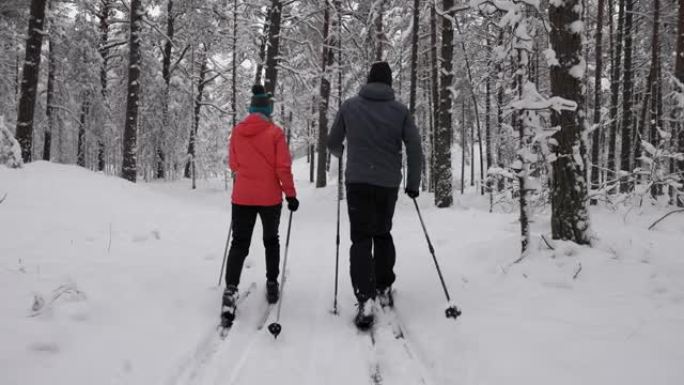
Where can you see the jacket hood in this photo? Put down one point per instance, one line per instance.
(253, 125)
(377, 91)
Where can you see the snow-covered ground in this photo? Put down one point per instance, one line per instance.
(107, 282)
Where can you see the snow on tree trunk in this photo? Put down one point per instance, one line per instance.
(129, 167)
(443, 136)
(569, 215)
(29, 79)
(10, 151)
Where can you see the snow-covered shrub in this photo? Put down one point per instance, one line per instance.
(10, 152)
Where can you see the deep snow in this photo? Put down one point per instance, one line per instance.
(107, 282)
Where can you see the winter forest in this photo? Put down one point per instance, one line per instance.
(552, 186)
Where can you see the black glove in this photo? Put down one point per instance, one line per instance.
(292, 203)
(413, 194)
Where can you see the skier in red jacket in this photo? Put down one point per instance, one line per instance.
(259, 156)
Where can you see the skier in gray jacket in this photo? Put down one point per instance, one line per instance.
(375, 125)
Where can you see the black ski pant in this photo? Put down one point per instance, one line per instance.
(244, 218)
(372, 253)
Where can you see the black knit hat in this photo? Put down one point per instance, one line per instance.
(380, 72)
(261, 101)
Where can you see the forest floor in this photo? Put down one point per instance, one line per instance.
(106, 282)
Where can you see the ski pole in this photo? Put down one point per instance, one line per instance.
(337, 241)
(451, 310)
(275, 327)
(225, 252)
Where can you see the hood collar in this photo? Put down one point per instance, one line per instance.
(377, 91)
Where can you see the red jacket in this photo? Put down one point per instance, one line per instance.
(258, 154)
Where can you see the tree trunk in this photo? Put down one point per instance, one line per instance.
(104, 54)
(615, 89)
(569, 215)
(596, 137)
(166, 75)
(378, 26)
(50, 110)
(463, 143)
(190, 167)
(129, 168)
(262, 49)
(233, 80)
(272, 52)
(443, 137)
(488, 112)
(679, 74)
(326, 62)
(648, 121)
(29, 80)
(435, 93)
(312, 148)
(414, 56)
(627, 95)
(83, 121)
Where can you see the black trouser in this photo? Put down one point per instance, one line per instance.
(372, 253)
(244, 218)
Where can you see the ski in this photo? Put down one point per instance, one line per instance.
(225, 325)
(390, 318)
(265, 315)
(375, 374)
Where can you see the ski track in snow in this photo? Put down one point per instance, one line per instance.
(193, 367)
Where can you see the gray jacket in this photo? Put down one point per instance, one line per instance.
(375, 125)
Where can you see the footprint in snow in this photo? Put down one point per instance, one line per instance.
(44, 347)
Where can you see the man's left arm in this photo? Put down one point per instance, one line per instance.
(414, 153)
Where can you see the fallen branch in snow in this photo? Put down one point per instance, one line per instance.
(547, 242)
(654, 223)
(3, 198)
(577, 273)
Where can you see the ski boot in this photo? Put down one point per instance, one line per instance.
(229, 306)
(384, 296)
(364, 316)
(272, 292)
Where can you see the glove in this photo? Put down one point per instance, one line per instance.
(292, 203)
(413, 194)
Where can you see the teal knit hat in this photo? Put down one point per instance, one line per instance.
(262, 102)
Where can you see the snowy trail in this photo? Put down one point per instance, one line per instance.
(106, 282)
(316, 346)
